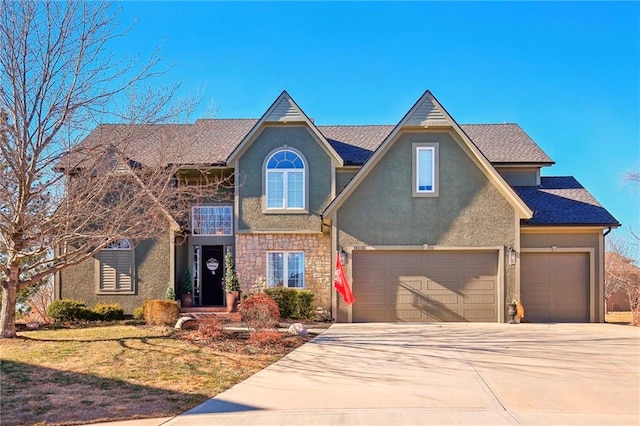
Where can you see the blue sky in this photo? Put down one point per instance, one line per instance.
(568, 73)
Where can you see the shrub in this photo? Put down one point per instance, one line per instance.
(260, 311)
(70, 310)
(210, 327)
(138, 313)
(265, 337)
(109, 312)
(285, 298)
(305, 304)
(170, 293)
(230, 278)
(293, 303)
(160, 311)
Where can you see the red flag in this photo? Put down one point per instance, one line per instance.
(341, 284)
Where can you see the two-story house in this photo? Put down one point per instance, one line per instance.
(435, 221)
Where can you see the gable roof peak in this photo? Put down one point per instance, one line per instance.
(426, 112)
(284, 110)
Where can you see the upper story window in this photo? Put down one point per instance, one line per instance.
(285, 181)
(212, 220)
(425, 169)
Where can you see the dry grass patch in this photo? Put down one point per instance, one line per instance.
(85, 375)
(624, 318)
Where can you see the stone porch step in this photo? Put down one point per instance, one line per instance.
(208, 312)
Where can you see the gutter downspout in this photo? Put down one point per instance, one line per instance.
(601, 262)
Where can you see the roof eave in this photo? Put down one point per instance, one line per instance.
(522, 163)
(541, 225)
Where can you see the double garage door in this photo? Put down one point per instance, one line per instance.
(425, 286)
(554, 287)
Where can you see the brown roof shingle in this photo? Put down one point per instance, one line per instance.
(210, 141)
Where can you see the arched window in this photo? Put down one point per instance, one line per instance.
(115, 268)
(285, 180)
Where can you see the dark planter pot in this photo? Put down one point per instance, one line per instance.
(185, 299)
(511, 312)
(233, 297)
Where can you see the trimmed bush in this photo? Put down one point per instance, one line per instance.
(160, 311)
(70, 310)
(305, 304)
(109, 311)
(138, 313)
(260, 311)
(293, 303)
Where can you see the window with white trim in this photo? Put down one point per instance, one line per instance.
(212, 220)
(285, 181)
(285, 269)
(425, 169)
(115, 272)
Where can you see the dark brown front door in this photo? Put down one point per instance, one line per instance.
(211, 271)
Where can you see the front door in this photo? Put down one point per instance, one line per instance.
(211, 273)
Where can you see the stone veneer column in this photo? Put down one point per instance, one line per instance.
(251, 261)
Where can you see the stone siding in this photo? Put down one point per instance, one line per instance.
(251, 261)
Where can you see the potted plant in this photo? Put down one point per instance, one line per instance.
(185, 289)
(231, 284)
(512, 311)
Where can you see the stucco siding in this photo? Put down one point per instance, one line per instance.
(152, 274)
(516, 177)
(469, 211)
(250, 177)
(342, 179)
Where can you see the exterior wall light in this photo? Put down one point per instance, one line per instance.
(343, 256)
(512, 256)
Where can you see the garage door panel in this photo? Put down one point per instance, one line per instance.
(425, 286)
(479, 299)
(554, 287)
(442, 285)
(480, 284)
(487, 315)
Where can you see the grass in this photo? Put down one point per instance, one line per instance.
(82, 375)
(624, 318)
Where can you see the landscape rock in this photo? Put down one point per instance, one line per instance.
(186, 323)
(298, 329)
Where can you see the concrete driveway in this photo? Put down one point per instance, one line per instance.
(452, 373)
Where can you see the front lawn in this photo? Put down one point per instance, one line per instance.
(82, 375)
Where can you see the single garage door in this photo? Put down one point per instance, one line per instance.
(425, 286)
(554, 287)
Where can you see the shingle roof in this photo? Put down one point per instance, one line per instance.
(355, 144)
(505, 143)
(562, 200)
(210, 141)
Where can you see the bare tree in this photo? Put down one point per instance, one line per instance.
(621, 273)
(64, 197)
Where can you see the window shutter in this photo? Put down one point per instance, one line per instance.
(116, 270)
(123, 269)
(108, 275)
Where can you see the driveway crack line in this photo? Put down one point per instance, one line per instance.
(483, 383)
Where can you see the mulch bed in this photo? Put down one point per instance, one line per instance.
(235, 338)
